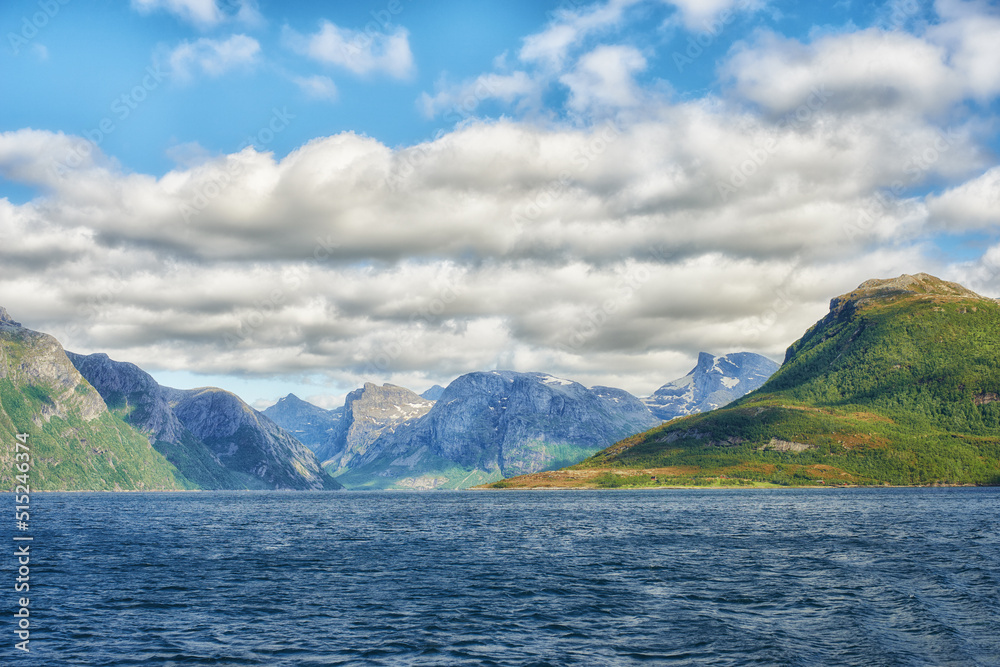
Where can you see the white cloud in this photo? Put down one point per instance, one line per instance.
(461, 101)
(574, 249)
(317, 87)
(203, 13)
(974, 204)
(971, 31)
(603, 78)
(551, 46)
(360, 52)
(700, 14)
(861, 71)
(212, 57)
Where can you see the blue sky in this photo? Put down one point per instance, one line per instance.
(277, 197)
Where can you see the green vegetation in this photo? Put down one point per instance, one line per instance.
(72, 453)
(901, 390)
(74, 443)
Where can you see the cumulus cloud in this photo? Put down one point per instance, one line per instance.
(359, 52)
(974, 204)
(608, 251)
(603, 78)
(212, 57)
(861, 71)
(551, 46)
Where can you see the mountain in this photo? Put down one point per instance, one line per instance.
(712, 383)
(434, 393)
(248, 442)
(369, 413)
(214, 439)
(75, 442)
(898, 384)
(311, 425)
(487, 425)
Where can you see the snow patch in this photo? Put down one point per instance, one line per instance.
(548, 379)
(730, 382)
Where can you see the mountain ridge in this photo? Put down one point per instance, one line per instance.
(897, 384)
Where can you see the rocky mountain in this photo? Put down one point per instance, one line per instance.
(368, 414)
(214, 439)
(491, 424)
(434, 393)
(311, 425)
(248, 442)
(75, 442)
(712, 383)
(898, 384)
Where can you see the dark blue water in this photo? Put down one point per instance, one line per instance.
(796, 577)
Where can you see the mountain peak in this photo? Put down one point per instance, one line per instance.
(889, 289)
(5, 318)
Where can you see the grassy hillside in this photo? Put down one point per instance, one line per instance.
(899, 384)
(75, 442)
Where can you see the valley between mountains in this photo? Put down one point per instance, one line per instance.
(898, 384)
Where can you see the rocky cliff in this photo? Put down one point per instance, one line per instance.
(712, 383)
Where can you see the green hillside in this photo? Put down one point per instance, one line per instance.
(899, 384)
(75, 443)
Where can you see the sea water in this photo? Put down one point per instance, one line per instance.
(673, 577)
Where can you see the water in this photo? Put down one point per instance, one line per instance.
(741, 577)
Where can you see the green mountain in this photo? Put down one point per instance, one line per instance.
(75, 442)
(899, 384)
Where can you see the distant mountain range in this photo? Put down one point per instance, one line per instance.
(487, 425)
(898, 384)
(482, 427)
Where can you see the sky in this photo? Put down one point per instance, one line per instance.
(302, 197)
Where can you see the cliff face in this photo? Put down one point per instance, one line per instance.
(76, 442)
(248, 442)
(369, 413)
